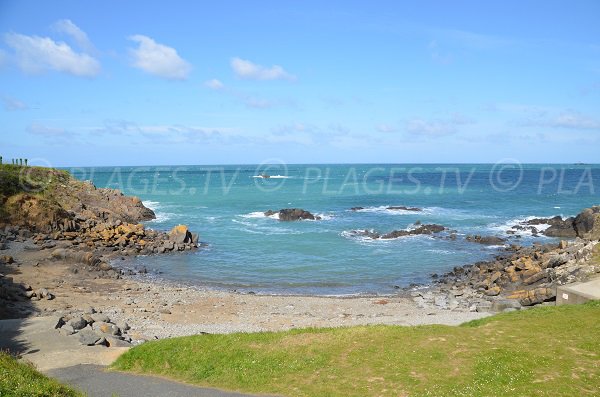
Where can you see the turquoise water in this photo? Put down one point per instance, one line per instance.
(246, 251)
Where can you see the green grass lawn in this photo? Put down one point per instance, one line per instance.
(549, 351)
(18, 379)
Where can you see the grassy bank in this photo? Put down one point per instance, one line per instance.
(17, 379)
(37, 181)
(550, 351)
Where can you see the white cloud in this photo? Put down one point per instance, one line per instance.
(576, 121)
(258, 103)
(36, 54)
(386, 128)
(437, 127)
(158, 59)
(214, 84)
(554, 118)
(40, 129)
(66, 26)
(12, 104)
(248, 70)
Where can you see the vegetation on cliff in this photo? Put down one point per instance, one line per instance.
(43, 198)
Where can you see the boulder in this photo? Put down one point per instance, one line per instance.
(493, 291)
(116, 342)
(88, 337)
(77, 323)
(100, 317)
(587, 223)
(180, 234)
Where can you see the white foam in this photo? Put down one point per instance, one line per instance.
(325, 217)
(357, 236)
(153, 205)
(384, 209)
(162, 217)
(509, 226)
(272, 177)
(254, 228)
(254, 215)
(439, 251)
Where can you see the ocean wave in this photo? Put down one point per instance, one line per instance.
(153, 205)
(324, 217)
(254, 228)
(258, 215)
(356, 235)
(272, 177)
(160, 215)
(385, 209)
(521, 221)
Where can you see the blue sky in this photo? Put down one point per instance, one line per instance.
(86, 83)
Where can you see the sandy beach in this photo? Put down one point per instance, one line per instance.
(158, 309)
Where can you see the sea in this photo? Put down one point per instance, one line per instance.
(243, 250)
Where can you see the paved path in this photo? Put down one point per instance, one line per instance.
(83, 367)
(97, 382)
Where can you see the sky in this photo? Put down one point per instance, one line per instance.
(93, 83)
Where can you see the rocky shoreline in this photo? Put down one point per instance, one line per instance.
(56, 251)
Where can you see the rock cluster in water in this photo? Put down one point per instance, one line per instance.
(585, 225)
(292, 214)
(421, 229)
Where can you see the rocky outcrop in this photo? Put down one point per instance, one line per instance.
(485, 240)
(527, 274)
(422, 229)
(403, 208)
(585, 225)
(292, 214)
(64, 203)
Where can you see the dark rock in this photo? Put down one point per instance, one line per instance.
(485, 240)
(561, 228)
(423, 229)
(587, 223)
(88, 337)
(77, 323)
(403, 208)
(357, 208)
(293, 214)
(116, 342)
